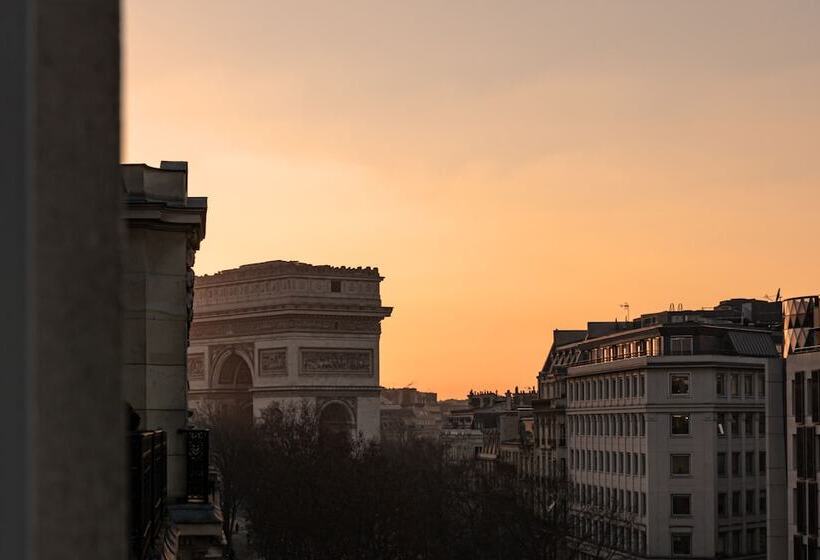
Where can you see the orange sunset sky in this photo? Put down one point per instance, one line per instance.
(510, 167)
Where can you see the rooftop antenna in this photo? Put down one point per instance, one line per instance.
(625, 307)
(777, 297)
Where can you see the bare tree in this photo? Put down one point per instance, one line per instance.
(232, 450)
(310, 497)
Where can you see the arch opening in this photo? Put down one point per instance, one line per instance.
(336, 425)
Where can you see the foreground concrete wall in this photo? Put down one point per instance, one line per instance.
(62, 411)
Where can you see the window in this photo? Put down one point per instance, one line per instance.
(643, 464)
(748, 420)
(750, 502)
(761, 385)
(761, 502)
(680, 424)
(721, 464)
(721, 424)
(680, 465)
(751, 541)
(734, 387)
(798, 404)
(735, 463)
(750, 463)
(748, 386)
(721, 505)
(679, 383)
(736, 503)
(735, 418)
(761, 462)
(336, 286)
(681, 544)
(680, 345)
(681, 504)
(720, 385)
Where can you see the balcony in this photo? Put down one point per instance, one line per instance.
(148, 487)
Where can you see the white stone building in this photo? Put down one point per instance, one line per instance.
(281, 332)
(666, 429)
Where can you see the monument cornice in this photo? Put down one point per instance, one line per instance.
(286, 323)
(299, 390)
(295, 309)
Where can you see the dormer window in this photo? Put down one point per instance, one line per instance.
(336, 286)
(680, 345)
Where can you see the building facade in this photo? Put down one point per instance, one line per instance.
(665, 422)
(174, 502)
(280, 333)
(165, 227)
(409, 413)
(801, 351)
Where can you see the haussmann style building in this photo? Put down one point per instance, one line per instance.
(659, 425)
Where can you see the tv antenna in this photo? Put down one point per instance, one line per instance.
(625, 307)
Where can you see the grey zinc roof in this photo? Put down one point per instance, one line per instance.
(748, 343)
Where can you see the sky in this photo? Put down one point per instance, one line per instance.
(511, 167)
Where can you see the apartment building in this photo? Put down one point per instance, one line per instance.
(801, 350)
(666, 431)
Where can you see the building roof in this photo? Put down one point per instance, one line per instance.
(280, 268)
(748, 343)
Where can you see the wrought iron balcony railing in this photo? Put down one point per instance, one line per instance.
(198, 484)
(148, 488)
